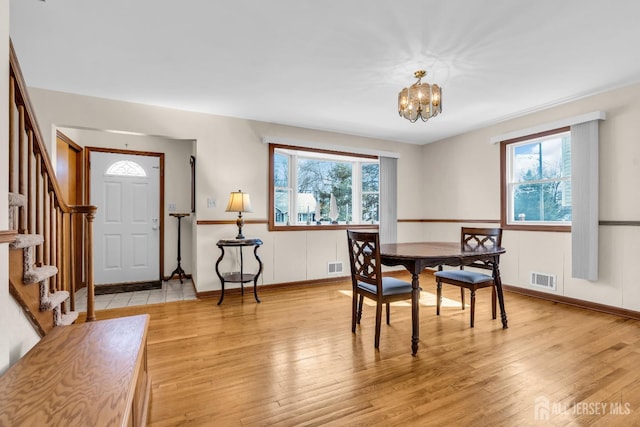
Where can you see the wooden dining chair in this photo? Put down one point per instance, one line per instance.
(367, 280)
(471, 239)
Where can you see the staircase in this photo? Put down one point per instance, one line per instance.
(31, 274)
(53, 247)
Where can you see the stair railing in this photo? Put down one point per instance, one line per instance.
(67, 229)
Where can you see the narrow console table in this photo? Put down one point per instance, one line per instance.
(240, 277)
(87, 374)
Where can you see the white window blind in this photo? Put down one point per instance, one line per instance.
(584, 200)
(388, 200)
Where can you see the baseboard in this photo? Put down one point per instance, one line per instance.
(290, 285)
(602, 308)
(184, 276)
(574, 302)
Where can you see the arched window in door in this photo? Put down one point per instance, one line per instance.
(125, 168)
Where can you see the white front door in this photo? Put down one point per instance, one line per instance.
(126, 190)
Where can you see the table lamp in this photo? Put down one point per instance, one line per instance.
(239, 202)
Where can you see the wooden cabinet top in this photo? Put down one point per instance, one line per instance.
(82, 374)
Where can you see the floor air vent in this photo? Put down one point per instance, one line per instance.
(542, 280)
(335, 267)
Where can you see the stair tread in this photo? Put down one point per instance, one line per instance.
(54, 300)
(17, 200)
(26, 240)
(38, 274)
(68, 318)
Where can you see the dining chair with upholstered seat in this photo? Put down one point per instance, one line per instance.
(472, 239)
(367, 280)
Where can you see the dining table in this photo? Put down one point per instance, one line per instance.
(416, 256)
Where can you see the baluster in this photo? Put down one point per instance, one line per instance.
(31, 218)
(39, 208)
(12, 141)
(72, 262)
(91, 315)
(60, 258)
(53, 241)
(22, 217)
(46, 214)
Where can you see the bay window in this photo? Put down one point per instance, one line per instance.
(316, 188)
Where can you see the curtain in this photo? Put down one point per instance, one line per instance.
(388, 200)
(584, 200)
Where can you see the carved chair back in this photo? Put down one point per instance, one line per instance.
(364, 257)
(473, 239)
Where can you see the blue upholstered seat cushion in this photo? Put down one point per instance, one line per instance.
(464, 276)
(390, 286)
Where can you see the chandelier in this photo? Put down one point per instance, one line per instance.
(420, 100)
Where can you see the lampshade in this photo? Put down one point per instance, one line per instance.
(239, 202)
(420, 100)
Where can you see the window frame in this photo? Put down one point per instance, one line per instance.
(272, 226)
(504, 185)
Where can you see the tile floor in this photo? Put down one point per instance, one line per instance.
(172, 290)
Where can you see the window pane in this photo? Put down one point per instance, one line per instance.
(306, 208)
(280, 170)
(322, 178)
(543, 159)
(370, 204)
(281, 206)
(371, 177)
(549, 201)
(125, 168)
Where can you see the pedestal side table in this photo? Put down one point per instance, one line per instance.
(179, 271)
(241, 277)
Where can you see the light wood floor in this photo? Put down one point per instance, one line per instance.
(292, 360)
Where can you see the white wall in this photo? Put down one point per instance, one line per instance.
(231, 156)
(5, 320)
(465, 170)
(177, 183)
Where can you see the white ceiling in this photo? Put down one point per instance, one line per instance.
(334, 65)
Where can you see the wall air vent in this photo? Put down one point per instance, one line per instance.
(335, 267)
(543, 280)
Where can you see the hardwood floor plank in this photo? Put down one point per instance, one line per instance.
(292, 360)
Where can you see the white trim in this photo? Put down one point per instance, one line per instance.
(332, 147)
(570, 121)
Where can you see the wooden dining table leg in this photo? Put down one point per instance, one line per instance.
(415, 312)
(498, 284)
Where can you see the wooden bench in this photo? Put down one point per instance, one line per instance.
(87, 374)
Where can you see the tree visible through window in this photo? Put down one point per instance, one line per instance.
(538, 179)
(311, 187)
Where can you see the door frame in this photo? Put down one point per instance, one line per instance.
(89, 150)
(76, 223)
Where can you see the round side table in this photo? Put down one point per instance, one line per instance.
(240, 277)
